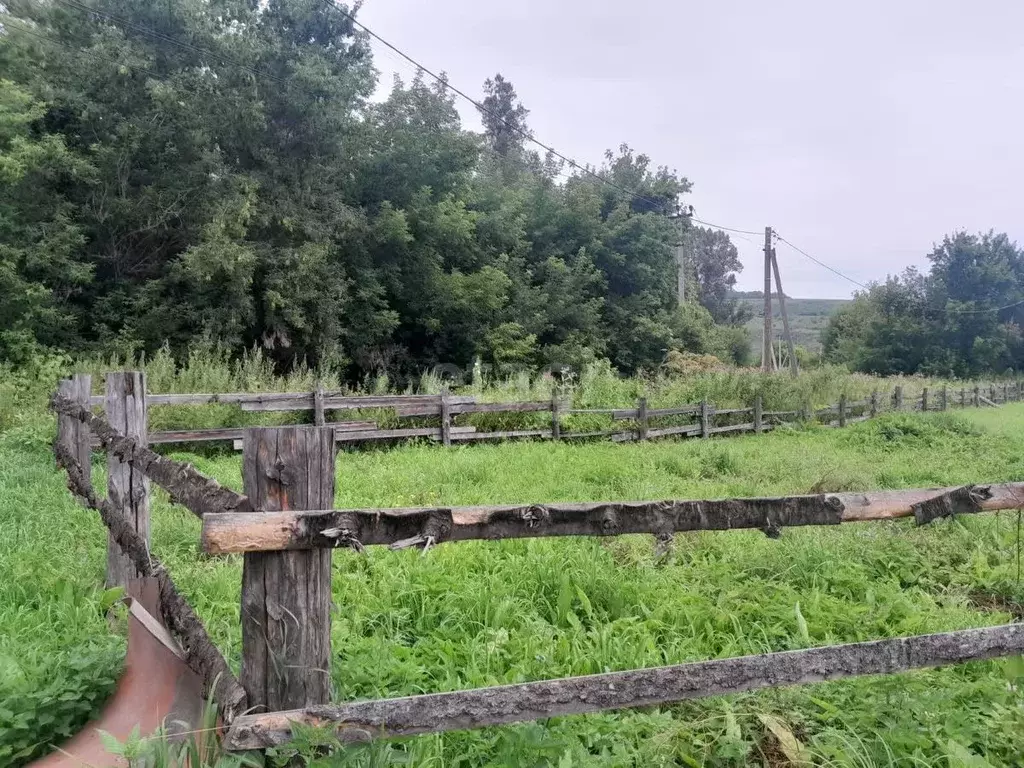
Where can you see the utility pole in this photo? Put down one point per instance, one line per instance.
(767, 357)
(794, 369)
(681, 261)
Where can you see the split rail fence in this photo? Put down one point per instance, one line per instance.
(640, 422)
(285, 529)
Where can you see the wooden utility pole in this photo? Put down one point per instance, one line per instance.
(767, 360)
(793, 367)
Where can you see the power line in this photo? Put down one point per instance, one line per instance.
(526, 135)
(61, 44)
(976, 311)
(943, 310)
(719, 226)
(157, 35)
(833, 270)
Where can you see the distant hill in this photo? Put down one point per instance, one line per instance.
(807, 317)
(752, 294)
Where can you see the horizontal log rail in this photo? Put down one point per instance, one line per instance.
(215, 434)
(333, 400)
(459, 710)
(427, 526)
(407, 404)
(185, 484)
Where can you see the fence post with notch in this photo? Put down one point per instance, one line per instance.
(286, 596)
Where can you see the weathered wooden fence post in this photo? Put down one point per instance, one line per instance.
(319, 417)
(897, 398)
(1006, 392)
(446, 419)
(977, 396)
(924, 399)
(286, 596)
(128, 488)
(944, 398)
(842, 410)
(758, 414)
(641, 417)
(705, 419)
(874, 403)
(72, 433)
(556, 423)
(963, 397)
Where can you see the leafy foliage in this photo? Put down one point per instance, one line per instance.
(962, 319)
(217, 172)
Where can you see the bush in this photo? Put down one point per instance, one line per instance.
(33, 720)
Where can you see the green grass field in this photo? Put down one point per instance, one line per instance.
(477, 614)
(807, 319)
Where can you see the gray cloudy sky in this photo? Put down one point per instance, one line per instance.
(862, 132)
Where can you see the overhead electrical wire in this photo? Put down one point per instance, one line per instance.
(157, 35)
(81, 51)
(526, 135)
(719, 226)
(941, 310)
(833, 270)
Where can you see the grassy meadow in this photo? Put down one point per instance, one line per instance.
(807, 319)
(475, 614)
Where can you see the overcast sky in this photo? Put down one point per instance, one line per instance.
(863, 132)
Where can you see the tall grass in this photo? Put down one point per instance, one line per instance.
(486, 613)
(208, 369)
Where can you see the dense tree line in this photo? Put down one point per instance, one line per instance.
(963, 318)
(217, 172)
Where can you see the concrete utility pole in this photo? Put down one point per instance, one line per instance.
(681, 261)
(794, 369)
(767, 358)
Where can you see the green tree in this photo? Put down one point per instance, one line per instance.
(716, 262)
(40, 273)
(504, 118)
(962, 319)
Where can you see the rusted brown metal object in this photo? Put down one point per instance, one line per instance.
(156, 689)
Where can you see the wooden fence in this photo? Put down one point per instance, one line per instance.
(640, 422)
(285, 529)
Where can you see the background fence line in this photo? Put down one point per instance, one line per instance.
(707, 420)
